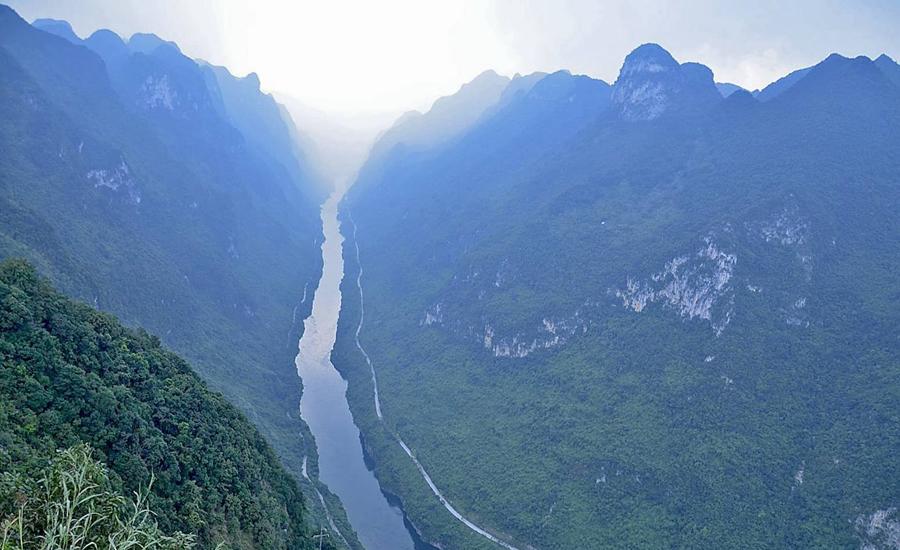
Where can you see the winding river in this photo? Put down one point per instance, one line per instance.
(379, 523)
(342, 467)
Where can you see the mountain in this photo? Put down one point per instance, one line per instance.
(263, 122)
(640, 315)
(889, 67)
(726, 88)
(109, 46)
(781, 85)
(148, 43)
(532, 113)
(72, 375)
(136, 185)
(651, 83)
(58, 27)
(449, 115)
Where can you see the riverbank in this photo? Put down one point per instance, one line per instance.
(342, 466)
(397, 473)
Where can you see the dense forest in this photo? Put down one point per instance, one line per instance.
(172, 194)
(641, 314)
(74, 376)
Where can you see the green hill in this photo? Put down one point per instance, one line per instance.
(72, 375)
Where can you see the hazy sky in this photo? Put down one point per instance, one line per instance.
(343, 55)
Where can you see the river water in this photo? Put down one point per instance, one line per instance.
(342, 466)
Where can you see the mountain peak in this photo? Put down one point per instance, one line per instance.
(253, 80)
(834, 58)
(727, 88)
(782, 84)
(488, 73)
(58, 27)
(838, 62)
(147, 43)
(487, 80)
(838, 82)
(889, 68)
(697, 73)
(647, 59)
(108, 45)
(107, 35)
(651, 81)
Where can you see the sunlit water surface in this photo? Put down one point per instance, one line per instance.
(342, 467)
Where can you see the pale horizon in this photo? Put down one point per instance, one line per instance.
(360, 59)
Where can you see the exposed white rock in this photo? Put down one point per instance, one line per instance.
(501, 276)
(635, 296)
(115, 179)
(647, 101)
(112, 179)
(552, 333)
(798, 475)
(488, 336)
(696, 286)
(433, 316)
(880, 529)
(646, 83)
(795, 316)
(156, 92)
(787, 229)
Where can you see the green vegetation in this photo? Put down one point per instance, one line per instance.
(164, 213)
(72, 375)
(739, 396)
(73, 505)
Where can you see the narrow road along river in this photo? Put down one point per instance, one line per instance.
(324, 407)
(431, 485)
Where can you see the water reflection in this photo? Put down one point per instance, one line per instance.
(342, 466)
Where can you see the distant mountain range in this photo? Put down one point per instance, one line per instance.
(654, 313)
(640, 314)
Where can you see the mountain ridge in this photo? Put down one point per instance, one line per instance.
(623, 308)
(127, 187)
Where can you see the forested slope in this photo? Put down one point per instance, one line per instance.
(72, 375)
(643, 315)
(137, 184)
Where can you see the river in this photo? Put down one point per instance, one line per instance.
(342, 466)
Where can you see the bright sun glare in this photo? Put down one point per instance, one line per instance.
(355, 56)
(350, 55)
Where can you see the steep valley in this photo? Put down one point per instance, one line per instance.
(547, 312)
